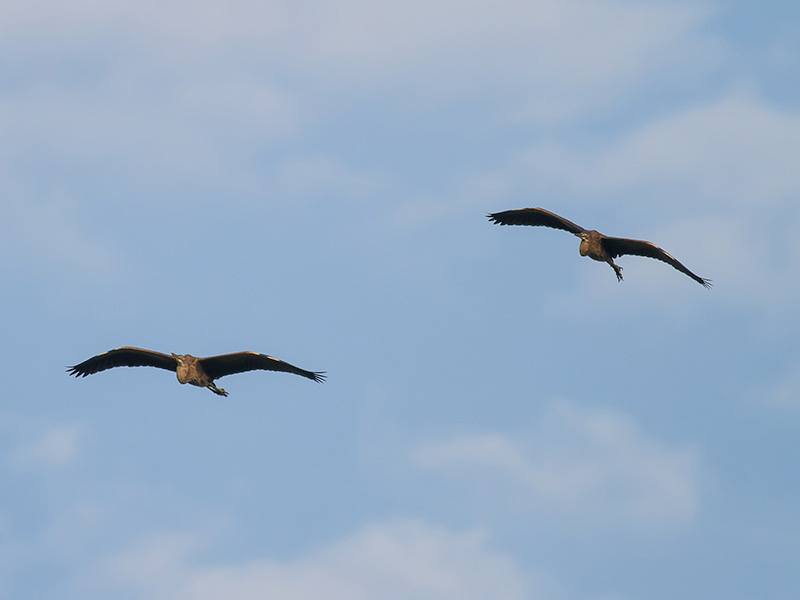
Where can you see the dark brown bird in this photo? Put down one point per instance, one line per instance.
(593, 243)
(198, 371)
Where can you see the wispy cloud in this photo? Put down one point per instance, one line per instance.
(156, 120)
(588, 465)
(308, 176)
(57, 447)
(45, 233)
(569, 53)
(784, 392)
(737, 150)
(400, 559)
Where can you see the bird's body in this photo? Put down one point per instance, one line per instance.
(594, 244)
(189, 369)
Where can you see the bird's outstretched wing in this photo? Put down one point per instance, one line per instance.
(619, 246)
(239, 362)
(124, 357)
(534, 216)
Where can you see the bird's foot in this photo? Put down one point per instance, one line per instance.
(618, 271)
(217, 391)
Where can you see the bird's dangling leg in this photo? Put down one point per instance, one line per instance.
(216, 390)
(617, 269)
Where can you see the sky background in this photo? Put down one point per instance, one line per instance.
(502, 419)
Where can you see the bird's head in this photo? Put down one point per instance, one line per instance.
(591, 236)
(178, 357)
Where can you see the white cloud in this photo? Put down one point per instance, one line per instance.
(57, 447)
(784, 392)
(568, 52)
(594, 466)
(312, 175)
(47, 231)
(402, 559)
(249, 108)
(591, 39)
(196, 90)
(737, 151)
(153, 120)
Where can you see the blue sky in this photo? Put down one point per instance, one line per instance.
(502, 419)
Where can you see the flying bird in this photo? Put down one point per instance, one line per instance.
(593, 243)
(198, 371)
